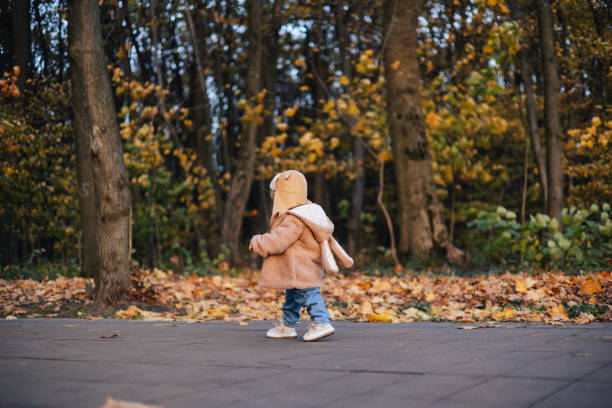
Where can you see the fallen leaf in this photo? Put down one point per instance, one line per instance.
(520, 286)
(415, 314)
(378, 318)
(558, 313)
(584, 318)
(506, 314)
(111, 336)
(130, 313)
(480, 326)
(113, 403)
(590, 286)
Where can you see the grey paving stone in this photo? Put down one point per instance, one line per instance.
(285, 382)
(290, 398)
(471, 404)
(65, 363)
(518, 392)
(579, 394)
(432, 387)
(566, 367)
(602, 375)
(378, 400)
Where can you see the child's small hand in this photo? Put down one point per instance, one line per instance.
(254, 247)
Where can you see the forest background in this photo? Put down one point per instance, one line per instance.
(463, 134)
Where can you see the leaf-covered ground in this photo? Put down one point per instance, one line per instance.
(550, 297)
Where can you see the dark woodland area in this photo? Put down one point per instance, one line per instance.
(456, 133)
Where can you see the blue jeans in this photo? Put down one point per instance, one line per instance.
(310, 298)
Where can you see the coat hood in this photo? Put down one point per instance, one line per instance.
(290, 189)
(314, 217)
(322, 228)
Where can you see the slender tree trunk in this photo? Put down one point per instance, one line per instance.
(242, 176)
(358, 184)
(421, 225)
(319, 191)
(554, 154)
(102, 175)
(20, 17)
(201, 110)
(269, 61)
(532, 124)
(41, 39)
(531, 113)
(159, 73)
(357, 193)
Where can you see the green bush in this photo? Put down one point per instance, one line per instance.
(580, 240)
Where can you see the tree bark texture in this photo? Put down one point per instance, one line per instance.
(358, 184)
(269, 60)
(532, 124)
(554, 153)
(531, 113)
(242, 176)
(201, 109)
(102, 175)
(20, 20)
(420, 222)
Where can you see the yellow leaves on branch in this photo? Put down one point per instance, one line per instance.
(385, 155)
(8, 83)
(594, 136)
(334, 142)
(290, 112)
(432, 119)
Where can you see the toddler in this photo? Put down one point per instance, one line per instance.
(295, 251)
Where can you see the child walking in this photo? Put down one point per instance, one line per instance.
(297, 249)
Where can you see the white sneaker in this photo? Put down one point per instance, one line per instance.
(317, 331)
(282, 331)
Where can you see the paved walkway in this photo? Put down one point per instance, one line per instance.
(65, 363)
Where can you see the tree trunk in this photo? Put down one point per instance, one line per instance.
(20, 17)
(358, 184)
(201, 104)
(269, 61)
(532, 124)
(531, 113)
(102, 175)
(421, 225)
(554, 154)
(242, 176)
(159, 69)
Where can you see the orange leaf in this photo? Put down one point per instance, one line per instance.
(590, 286)
(378, 318)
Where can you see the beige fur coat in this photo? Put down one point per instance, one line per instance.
(298, 248)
